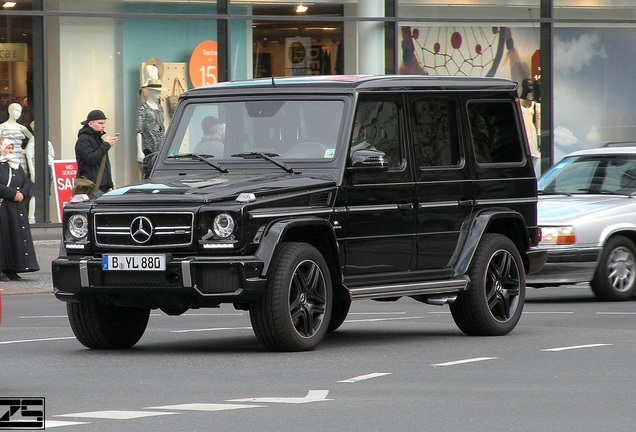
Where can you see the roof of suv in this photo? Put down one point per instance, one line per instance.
(368, 82)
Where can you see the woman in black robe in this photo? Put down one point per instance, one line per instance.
(17, 254)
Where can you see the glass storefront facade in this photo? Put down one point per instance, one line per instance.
(59, 59)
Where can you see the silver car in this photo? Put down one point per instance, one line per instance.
(587, 214)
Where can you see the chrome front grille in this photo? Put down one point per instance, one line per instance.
(156, 229)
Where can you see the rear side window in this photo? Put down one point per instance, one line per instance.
(434, 132)
(494, 132)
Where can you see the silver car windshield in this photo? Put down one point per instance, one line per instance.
(280, 129)
(591, 174)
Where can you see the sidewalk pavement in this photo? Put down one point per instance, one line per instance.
(46, 240)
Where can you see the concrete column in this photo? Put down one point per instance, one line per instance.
(371, 37)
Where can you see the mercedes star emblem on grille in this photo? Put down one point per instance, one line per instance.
(141, 229)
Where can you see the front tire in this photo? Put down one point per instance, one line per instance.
(293, 312)
(101, 326)
(493, 303)
(615, 277)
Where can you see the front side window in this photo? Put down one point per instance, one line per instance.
(286, 129)
(494, 132)
(377, 127)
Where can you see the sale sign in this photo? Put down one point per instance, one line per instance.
(204, 64)
(64, 172)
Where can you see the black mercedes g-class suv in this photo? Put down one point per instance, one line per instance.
(316, 191)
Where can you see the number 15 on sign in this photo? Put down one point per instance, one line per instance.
(204, 64)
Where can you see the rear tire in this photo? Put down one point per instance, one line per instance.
(493, 302)
(615, 277)
(101, 326)
(293, 312)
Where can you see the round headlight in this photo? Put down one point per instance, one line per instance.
(223, 226)
(78, 225)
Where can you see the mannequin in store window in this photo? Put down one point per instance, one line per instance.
(17, 133)
(150, 129)
(531, 110)
(151, 72)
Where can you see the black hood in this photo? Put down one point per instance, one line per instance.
(206, 188)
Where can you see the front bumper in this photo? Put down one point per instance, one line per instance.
(187, 282)
(566, 266)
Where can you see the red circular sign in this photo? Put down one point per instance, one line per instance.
(204, 64)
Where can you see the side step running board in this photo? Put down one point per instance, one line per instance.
(409, 289)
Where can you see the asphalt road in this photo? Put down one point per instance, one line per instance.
(404, 366)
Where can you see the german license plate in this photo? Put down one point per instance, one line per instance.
(134, 262)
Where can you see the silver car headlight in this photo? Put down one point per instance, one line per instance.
(78, 226)
(558, 235)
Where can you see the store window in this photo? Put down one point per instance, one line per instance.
(593, 87)
(132, 67)
(16, 92)
(297, 47)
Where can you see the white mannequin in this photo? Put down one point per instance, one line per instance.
(15, 132)
(150, 72)
(152, 100)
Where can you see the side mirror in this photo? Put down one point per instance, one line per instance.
(368, 160)
(147, 164)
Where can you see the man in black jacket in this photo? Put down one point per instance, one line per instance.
(90, 148)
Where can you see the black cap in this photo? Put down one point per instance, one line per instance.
(94, 115)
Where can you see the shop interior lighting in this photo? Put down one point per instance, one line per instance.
(301, 8)
(8, 4)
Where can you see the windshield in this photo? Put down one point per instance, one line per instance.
(595, 174)
(281, 129)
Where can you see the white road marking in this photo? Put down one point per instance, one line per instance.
(312, 396)
(365, 377)
(36, 340)
(460, 362)
(615, 313)
(548, 313)
(210, 329)
(116, 414)
(49, 424)
(376, 313)
(212, 314)
(205, 407)
(385, 319)
(42, 316)
(574, 347)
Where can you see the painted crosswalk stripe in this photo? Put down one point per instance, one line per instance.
(204, 407)
(460, 362)
(574, 347)
(365, 377)
(116, 414)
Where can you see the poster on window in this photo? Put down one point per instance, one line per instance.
(64, 172)
(297, 51)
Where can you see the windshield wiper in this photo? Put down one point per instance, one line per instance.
(267, 157)
(202, 157)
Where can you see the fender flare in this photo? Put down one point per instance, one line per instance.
(479, 225)
(277, 230)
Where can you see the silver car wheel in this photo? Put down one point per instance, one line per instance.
(620, 269)
(615, 278)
